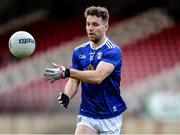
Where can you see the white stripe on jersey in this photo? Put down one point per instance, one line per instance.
(110, 44)
(82, 45)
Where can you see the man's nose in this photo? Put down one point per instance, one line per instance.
(91, 27)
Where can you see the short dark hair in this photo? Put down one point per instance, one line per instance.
(100, 12)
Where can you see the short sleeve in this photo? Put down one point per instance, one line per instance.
(75, 60)
(113, 56)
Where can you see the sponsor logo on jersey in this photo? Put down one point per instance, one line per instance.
(114, 108)
(92, 56)
(82, 56)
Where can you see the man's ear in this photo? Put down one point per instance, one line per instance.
(106, 26)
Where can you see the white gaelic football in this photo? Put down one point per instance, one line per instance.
(22, 44)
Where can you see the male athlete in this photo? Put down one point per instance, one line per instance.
(97, 65)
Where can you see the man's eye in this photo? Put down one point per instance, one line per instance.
(96, 24)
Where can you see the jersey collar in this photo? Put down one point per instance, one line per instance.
(99, 45)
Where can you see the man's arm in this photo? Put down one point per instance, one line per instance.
(71, 87)
(103, 70)
(70, 90)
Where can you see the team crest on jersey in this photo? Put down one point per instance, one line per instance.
(99, 55)
(90, 67)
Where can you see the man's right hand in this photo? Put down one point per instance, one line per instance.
(63, 99)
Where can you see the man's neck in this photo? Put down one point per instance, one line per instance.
(95, 45)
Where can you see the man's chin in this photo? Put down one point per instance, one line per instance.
(92, 39)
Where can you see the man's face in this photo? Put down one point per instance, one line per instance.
(95, 27)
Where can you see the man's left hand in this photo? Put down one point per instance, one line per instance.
(56, 72)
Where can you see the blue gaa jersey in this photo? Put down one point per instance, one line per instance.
(100, 101)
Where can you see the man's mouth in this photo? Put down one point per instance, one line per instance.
(91, 34)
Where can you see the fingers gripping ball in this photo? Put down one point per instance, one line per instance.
(21, 44)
